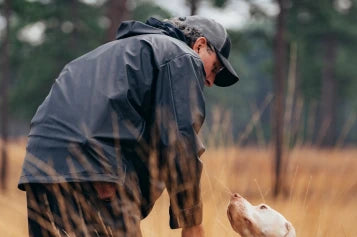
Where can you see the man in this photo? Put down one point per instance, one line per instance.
(119, 125)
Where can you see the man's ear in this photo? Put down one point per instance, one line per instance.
(200, 43)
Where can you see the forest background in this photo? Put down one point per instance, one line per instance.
(317, 64)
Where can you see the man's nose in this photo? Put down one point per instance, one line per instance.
(209, 81)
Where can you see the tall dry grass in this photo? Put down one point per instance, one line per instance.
(320, 193)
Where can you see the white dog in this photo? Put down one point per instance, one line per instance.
(257, 221)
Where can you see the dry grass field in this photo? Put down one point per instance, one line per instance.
(320, 195)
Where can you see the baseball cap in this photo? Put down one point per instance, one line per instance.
(217, 36)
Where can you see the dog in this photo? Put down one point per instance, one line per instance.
(257, 221)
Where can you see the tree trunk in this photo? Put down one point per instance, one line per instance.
(117, 11)
(327, 131)
(278, 107)
(193, 6)
(73, 40)
(5, 67)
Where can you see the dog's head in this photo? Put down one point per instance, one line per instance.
(257, 221)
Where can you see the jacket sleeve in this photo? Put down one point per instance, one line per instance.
(180, 112)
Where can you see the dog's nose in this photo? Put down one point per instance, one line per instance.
(236, 196)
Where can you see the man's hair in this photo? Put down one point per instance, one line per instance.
(191, 33)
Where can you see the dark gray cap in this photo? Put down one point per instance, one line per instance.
(217, 36)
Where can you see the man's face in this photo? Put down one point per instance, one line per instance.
(209, 58)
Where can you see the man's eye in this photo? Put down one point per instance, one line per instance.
(247, 221)
(217, 69)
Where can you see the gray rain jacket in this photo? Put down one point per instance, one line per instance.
(111, 109)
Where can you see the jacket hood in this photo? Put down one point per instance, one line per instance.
(152, 26)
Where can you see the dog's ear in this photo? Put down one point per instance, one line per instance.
(290, 230)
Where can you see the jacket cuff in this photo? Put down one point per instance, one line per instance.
(185, 218)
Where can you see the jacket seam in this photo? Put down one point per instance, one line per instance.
(179, 56)
(172, 97)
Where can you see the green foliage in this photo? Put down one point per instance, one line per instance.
(146, 9)
(309, 24)
(219, 3)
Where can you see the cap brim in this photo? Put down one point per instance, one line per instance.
(227, 76)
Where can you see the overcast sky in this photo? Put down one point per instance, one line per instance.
(234, 15)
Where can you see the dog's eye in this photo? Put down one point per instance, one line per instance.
(247, 221)
(263, 207)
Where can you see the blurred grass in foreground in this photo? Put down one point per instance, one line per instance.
(321, 191)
